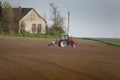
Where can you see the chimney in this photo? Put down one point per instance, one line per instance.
(19, 10)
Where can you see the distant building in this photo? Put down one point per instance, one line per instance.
(30, 21)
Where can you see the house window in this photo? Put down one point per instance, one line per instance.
(39, 29)
(32, 17)
(33, 28)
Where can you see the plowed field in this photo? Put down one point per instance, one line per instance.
(33, 59)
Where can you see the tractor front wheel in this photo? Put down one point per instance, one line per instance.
(73, 45)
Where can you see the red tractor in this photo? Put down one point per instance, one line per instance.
(64, 41)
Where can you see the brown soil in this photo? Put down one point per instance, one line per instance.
(33, 59)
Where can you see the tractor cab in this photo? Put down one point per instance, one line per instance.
(64, 37)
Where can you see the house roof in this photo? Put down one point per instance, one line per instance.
(21, 12)
(24, 11)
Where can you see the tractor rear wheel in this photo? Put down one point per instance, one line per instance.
(63, 44)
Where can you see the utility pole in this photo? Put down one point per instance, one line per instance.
(68, 22)
(19, 9)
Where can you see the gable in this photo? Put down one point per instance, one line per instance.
(31, 15)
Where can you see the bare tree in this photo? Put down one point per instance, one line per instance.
(7, 17)
(0, 16)
(57, 19)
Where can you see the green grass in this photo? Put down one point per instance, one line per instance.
(31, 35)
(114, 42)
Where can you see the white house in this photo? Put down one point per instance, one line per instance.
(31, 21)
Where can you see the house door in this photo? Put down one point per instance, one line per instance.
(39, 29)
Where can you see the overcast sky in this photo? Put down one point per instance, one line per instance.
(88, 18)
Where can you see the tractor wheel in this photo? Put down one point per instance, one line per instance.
(73, 45)
(63, 44)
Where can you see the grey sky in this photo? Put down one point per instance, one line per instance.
(89, 18)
